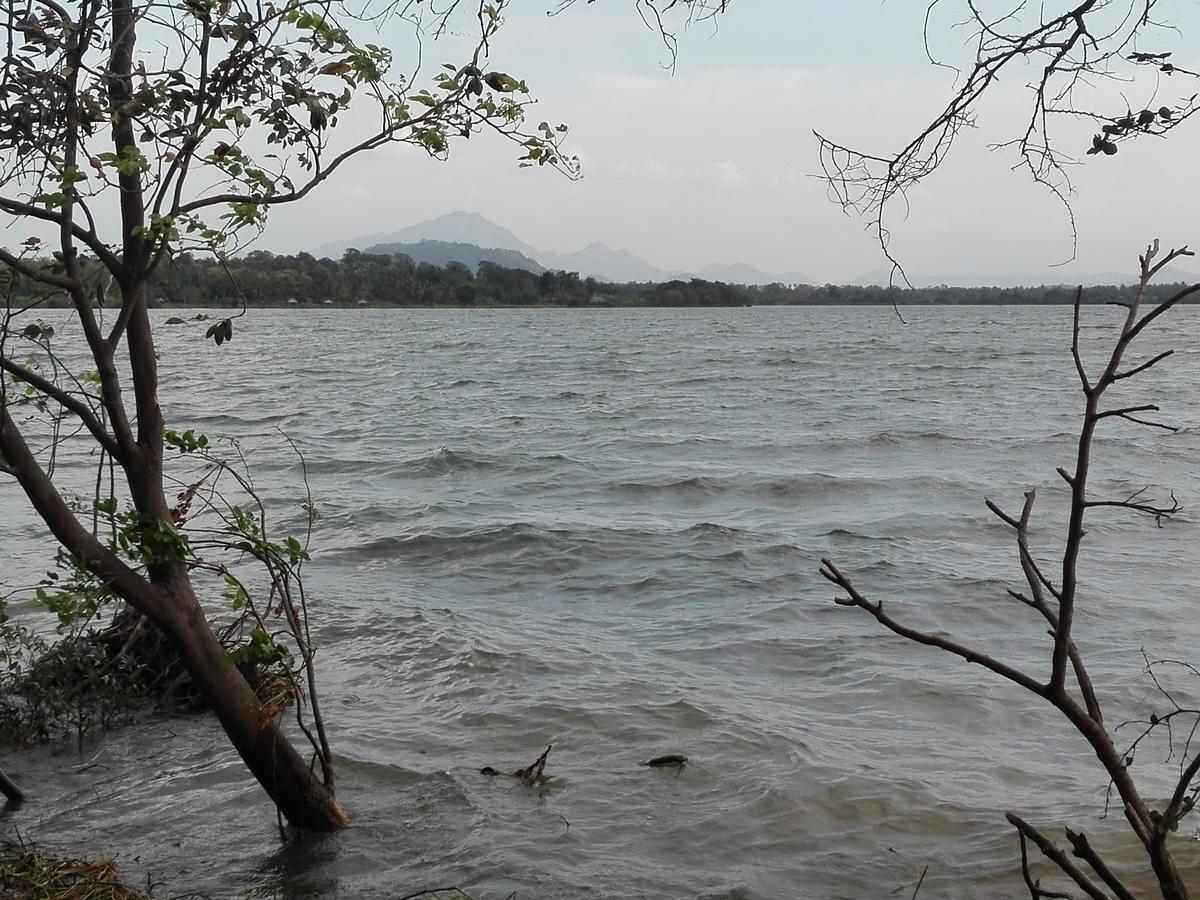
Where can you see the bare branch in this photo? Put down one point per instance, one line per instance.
(1057, 606)
(1144, 366)
(833, 574)
(1052, 852)
(1083, 378)
(1083, 850)
(1072, 53)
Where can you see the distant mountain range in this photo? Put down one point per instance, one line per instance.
(470, 239)
(482, 239)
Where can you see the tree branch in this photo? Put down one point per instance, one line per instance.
(68, 401)
(90, 238)
(74, 537)
(1083, 849)
(833, 574)
(40, 275)
(1055, 855)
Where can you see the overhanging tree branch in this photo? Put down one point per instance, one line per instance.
(57, 514)
(1076, 49)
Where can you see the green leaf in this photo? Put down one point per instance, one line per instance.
(220, 332)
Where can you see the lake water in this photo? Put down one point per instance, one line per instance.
(601, 530)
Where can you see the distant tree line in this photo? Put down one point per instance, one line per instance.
(362, 279)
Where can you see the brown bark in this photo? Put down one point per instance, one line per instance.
(294, 786)
(164, 595)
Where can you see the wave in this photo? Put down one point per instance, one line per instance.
(723, 378)
(897, 438)
(853, 535)
(444, 461)
(513, 541)
(697, 485)
(558, 550)
(466, 382)
(710, 529)
(792, 487)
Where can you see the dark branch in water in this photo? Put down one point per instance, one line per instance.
(9, 789)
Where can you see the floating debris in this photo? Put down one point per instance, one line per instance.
(534, 773)
(676, 760)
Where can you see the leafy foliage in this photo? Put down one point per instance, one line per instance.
(52, 688)
(105, 663)
(243, 98)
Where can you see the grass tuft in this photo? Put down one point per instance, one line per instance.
(29, 874)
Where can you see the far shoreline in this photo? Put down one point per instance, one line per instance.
(456, 307)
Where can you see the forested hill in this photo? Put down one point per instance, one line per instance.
(442, 253)
(359, 279)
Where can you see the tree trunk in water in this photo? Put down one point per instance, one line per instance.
(10, 790)
(291, 782)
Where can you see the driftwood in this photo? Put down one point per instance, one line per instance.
(676, 760)
(534, 773)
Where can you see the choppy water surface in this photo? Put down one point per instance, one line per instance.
(601, 529)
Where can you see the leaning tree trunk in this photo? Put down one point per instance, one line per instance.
(168, 601)
(287, 778)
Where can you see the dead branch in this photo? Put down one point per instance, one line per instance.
(832, 573)
(1036, 891)
(1082, 848)
(1056, 604)
(1052, 852)
(534, 770)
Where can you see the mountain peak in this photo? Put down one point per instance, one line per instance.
(458, 227)
(460, 215)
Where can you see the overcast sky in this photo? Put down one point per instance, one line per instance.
(713, 163)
